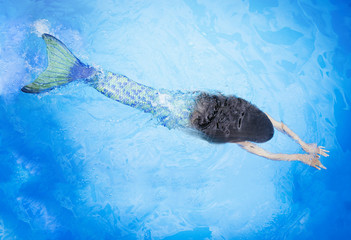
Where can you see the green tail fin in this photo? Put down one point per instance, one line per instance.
(63, 67)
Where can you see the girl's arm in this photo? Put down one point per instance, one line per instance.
(309, 148)
(309, 159)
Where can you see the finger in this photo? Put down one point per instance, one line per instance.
(317, 167)
(324, 154)
(323, 149)
(322, 166)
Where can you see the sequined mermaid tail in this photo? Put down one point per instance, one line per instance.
(172, 109)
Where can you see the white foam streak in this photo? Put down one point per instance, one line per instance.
(41, 26)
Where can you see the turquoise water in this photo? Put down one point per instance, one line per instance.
(77, 165)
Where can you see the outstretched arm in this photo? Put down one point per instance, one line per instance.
(309, 159)
(309, 148)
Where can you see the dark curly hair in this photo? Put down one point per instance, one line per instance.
(230, 119)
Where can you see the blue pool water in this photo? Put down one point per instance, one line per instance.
(77, 165)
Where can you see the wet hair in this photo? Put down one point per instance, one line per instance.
(230, 119)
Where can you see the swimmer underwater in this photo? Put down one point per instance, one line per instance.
(215, 117)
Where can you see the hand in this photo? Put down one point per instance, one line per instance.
(314, 149)
(311, 160)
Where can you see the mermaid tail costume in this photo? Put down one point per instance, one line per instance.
(172, 108)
